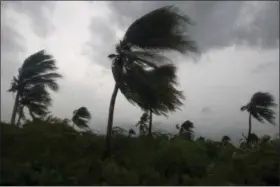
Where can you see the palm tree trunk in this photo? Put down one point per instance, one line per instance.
(13, 118)
(20, 116)
(250, 128)
(110, 122)
(150, 123)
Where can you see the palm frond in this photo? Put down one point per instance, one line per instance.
(267, 114)
(263, 99)
(35, 59)
(81, 117)
(83, 112)
(162, 29)
(81, 123)
(260, 107)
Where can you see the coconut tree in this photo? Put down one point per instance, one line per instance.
(142, 124)
(37, 100)
(131, 132)
(225, 139)
(186, 130)
(81, 117)
(38, 69)
(160, 30)
(260, 107)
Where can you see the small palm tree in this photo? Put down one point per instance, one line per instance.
(143, 127)
(226, 139)
(131, 132)
(160, 30)
(260, 107)
(37, 69)
(186, 130)
(118, 131)
(81, 117)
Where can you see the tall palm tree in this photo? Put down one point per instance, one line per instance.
(186, 130)
(37, 69)
(81, 117)
(158, 31)
(260, 107)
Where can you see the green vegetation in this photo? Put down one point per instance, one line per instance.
(51, 152)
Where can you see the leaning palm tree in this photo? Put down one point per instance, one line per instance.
(260, 107)
(81, 117)
(37, 69)
(186, 130)
(158, 31)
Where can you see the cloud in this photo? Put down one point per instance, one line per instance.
(217, 24)
(240, 57)
(206, 110)
(38, 12)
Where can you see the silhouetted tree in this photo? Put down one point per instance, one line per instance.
(118, 131)
(143, 127)
(157, 31)
(81, 117)
(186, 130)
(131, 132)
(37, 69)
(260, 108)
(37, 100)
(225, 139)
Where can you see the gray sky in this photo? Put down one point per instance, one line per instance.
(239, 42)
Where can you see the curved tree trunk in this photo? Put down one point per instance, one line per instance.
(110, 122)
(250, 128)
(150, 123)
(15, 108)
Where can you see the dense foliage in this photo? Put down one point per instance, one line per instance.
(51, 152)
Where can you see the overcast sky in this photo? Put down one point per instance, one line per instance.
(239, 44)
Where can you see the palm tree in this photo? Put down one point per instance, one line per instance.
(260, 108)
(131, 132)
(81, 117)
(226, 139)
(185, 130)
(37, 69)
(37, 100)
(143, 127)
(158, 31)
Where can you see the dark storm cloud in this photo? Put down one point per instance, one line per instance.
(37, 11)
(215, 21)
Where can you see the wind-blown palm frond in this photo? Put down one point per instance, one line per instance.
(162, 29)
(81, 117)
(152, 89)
